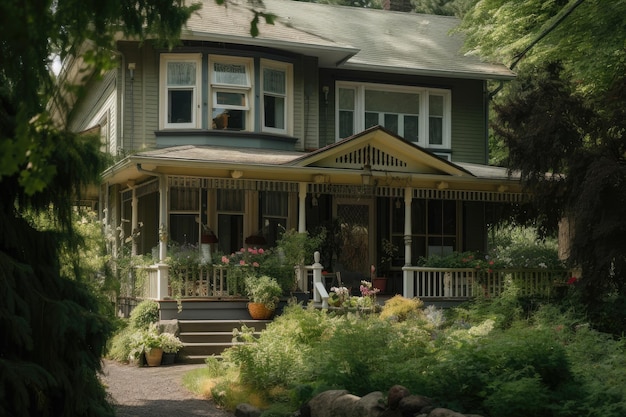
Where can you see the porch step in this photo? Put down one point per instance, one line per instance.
(204, 338)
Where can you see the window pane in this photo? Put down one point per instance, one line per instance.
(391, 101)
(411, 128)
(231, 99)
(449, 217)
(274, 111)
(346, 99)
(231, 74)
(435, 131)
(180, 103)
(391, 122)
(230, 232)
(274, 81)
(184, 199)
(181, 73)
(346, 124)
(371, 119)
(435, 105)
(274, 203)
(435, 219)
(229, 119)
(184, 229)
(230, 200)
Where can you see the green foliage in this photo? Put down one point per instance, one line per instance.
(400, 308)
(264, 290)
(144, 314)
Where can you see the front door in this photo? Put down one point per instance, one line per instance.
(355, 219)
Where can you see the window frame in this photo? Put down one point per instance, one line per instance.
(287, 68)
(196, 58)
(423, 117)
(216, 87)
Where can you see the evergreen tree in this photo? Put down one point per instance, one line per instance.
(52, 334)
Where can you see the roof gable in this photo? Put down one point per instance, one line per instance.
(382, 151)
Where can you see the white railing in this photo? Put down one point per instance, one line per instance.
(461, 283)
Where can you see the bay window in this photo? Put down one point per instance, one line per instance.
(419, 115)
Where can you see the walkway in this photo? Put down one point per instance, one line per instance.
(154, 392)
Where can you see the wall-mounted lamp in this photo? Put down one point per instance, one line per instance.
(443, 185)
(236, 174)
(131, 70)
(319, 179)
(502, 188)
(325, 90)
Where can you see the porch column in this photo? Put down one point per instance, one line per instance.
(302, 207)
(163, 218)
(407, 276)
(134, 222)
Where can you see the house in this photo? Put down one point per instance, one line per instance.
(374, 119)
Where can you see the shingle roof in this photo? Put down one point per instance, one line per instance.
(349, 37)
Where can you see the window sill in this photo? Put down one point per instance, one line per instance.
(226, 138)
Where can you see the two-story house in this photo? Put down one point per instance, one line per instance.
(373, 119)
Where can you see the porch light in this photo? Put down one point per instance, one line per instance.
(443, 185)
(236, 174)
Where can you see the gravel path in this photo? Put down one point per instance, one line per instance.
(154, 392)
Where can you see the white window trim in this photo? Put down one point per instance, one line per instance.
(163, 100)
(359, 109)
(288, 68)
(216, 87)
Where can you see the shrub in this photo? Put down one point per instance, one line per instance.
(400, 308)
(146, 313)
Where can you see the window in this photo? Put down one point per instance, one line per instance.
(276, 85)
(419, 115)
(180, 77)
(231, 86)
(230, 211)
(274, 211)
(184, 212)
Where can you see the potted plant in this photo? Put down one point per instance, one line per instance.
(146, 343)
(264, 293)
(389, 252)
(170, 345)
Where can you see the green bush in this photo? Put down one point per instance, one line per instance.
(146, 313)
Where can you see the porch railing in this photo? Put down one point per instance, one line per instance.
(426, 282)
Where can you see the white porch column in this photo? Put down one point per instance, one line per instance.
(134, 222)
(162, 281)
(163, 218)
(407, 276)
(302, 207)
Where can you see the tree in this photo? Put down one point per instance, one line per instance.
(52, 334)
(563, 123)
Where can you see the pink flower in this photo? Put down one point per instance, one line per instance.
(225, 259)
(242, 262)
(255, 264)
(261, 251)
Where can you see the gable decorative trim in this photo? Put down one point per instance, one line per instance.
(370, 155)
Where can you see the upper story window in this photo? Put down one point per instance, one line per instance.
(277, 98)
(180, 100)
(231, 92)
(419, 115)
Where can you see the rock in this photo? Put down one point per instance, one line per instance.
(321, 404)
(444, 412)
(370, 405)
(396, 393)
(413, 404)
(247, 410)
(344, 406)
(169, 326)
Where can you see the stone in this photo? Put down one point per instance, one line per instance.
(396, 393)
(169, 326)
(320, 405)
(344, 406)
(370, 405)
(444, 412)
(247, 410)
(413, 404)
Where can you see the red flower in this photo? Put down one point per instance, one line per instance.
(572, 281)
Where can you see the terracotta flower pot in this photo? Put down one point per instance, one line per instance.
(258, 311)
(154, 356)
